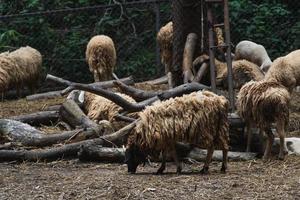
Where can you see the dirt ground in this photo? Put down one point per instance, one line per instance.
(76, 180)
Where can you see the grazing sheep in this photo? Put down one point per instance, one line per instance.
(261, 104)
(165, 42)
(101, 57)
(286, 70)
(253, 52)
(18, 68)
(29, 62)
(243, 71)
(99, 108)
(199, 118)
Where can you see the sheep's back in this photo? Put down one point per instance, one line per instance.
(101, 54)
(263, 103)
(198, 118)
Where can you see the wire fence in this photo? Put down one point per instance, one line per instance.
(62, 35)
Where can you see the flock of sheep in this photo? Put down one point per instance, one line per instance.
(263, 99)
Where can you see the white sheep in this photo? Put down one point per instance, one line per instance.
(253, 52)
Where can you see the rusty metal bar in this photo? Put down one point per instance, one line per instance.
(211, 49)
(228, 55)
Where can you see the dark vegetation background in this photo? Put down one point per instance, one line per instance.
(62, 37)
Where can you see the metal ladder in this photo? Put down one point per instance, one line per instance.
(227, 46)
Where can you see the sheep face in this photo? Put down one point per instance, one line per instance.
(133, 157)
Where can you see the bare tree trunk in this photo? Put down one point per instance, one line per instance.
(18, 132)
(188, 57)
(186, 17)
(38, 118)
(66, 151)
(74, 116)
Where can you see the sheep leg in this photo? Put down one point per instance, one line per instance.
(210, 151)
(281, 133)
(163, 163)
(269, 145)
(225, 160)
(249, 137)
(176, 160)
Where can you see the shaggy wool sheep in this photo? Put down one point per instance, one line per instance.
(243, 71)
(261, 104)
(10, 74)
(286, 70)
(253, 52)
(165, 41)
(101, 57)
(99, 108)
(199, 118)
(29, 62)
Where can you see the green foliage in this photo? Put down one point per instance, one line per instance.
(271, 23)
(62, 38)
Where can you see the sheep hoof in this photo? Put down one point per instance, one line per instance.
(204, 170)
(281, 156)
(159, 172)
(178, 171)
(223, 169)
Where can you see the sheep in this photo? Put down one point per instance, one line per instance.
(29, 62)
(199, 118)
(253, 52)
(99, 108)
(286, 70)
(243, 71)
(165, 41)
(101, 57)
(10, 74)
(263, 103)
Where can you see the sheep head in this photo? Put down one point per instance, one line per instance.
(134, 156)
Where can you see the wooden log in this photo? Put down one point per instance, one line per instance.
(126, 105)
(46, 95)
(136, 94)
(188, 55)
(101, 154)
(12, 94)
(158, 81)
(26, 135)
(66, 151)
(38, 118)
(201, 73)
(58, 93)
(74, 116)
(52, 108)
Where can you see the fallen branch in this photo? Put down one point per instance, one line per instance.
(137, 94)
(158, 81)
(73, 115)
(55, 94)
(201, 73)
(26, 135)
(133, 107)
(101, 154)
(36, 119)
(46, 95)
(65, 151)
